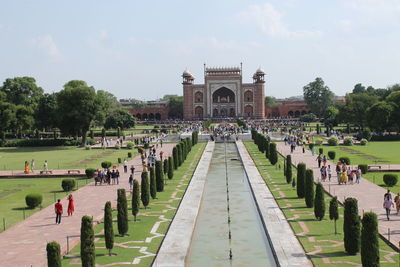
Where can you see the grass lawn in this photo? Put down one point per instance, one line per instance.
(372, 154)
(13, 192)
(377, 178)
(13, 158)
(160, 210)
(317, 237)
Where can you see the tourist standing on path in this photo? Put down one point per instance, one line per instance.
(358, 175)
(329, 172)
(161, 155)
(132, 169)
(71, 206)
(117, 176)
(33, 165)
(130, 181)
(45, 166)
(387, 204)
(319, 159)
(339, 172)
(58, 208)
(125, 166)
(387, 194)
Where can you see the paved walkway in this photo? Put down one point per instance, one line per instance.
(24, 244)
(368, 194)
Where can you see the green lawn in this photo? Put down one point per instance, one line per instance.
(162, 207)
(13, 158)
(377, 178)
(315, 236)
(13, 192)
(373, 153)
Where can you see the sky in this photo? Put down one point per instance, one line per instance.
(139, 49)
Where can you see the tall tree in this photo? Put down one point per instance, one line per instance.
(45, 114)
(355, 109)
(288, 169)
(7, 116)
(88, 254)
(369, 240)
(351, 226)
(175, 106)
(359, 89)
(379, 115)
(122, 216)
(159, 176)
(107, 104)
(394, 100)
(301, 177)
(77, 107)
(334, 211)
(135, 199)
(318, 96)
(22, 91)
(319, 202)
(270, 101)
(119, 118)
(309, 189)
(53, 254)
(108, 227)
(153, 184)
(145, 190)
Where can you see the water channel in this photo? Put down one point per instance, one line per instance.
(229, 230)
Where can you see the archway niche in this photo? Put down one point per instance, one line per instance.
(223, 95)
(248, 111)
(198, 111)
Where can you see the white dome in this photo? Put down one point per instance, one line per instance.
(260, 70)
(187, 73)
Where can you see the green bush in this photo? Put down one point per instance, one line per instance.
(319, 202)
(309, 189)
(53, 254)
(273, 154)
(365, 134)
(363, 167)
(320, 150)
(348, 141)
(130, 145)
(68, 184)
(129, 154)
(351, 226)
(390, 179)
(33, 200)
(108, 227)
(90, 172)
(363, 142)
(146, 146)
(165, 166)
(88, 254)
(88, 147)
(122, 208)
(332, 155)
(301, 176)
(369, 240)
(345, 160)
(333, 141)
(106, 164)
(119, 160)
(45, 142)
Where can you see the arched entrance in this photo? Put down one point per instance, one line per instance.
(198, 112)
(223, 95)
(248, 111)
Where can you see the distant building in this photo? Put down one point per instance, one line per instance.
(150, 110)
(223, 95)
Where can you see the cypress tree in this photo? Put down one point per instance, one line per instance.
(301, 177)
(135, 199)
(165, 167)
(175, 157)
(88, 255)
(159, 176)
(53, 254)
(351, 226)
(122, 216)
(273, 154)
(334, 211)
(288, 172)
(369, 240)
(178, 148)
(267, 148)
(153, 186)
(309, 188)
(170, 169)
(145, 190)
(184, 150)
(108, 227)
(319, 202)
(181, 154)
(189, 144)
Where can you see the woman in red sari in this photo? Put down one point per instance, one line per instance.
(71, 207)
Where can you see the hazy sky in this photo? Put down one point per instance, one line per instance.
(139, 49)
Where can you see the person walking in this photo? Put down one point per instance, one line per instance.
(339, 172)
(131, 181)
(117, 176)
(358, 175)
(132, 169)
(125, 166)
(329, 172)
(45, 166)
(161, 155)
(71, 206)
(33, 165)
(387, 194)
(58, 208)
(319, 159)
(387, 204)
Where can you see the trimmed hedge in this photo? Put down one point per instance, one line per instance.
(309, 189)
(90, 172)
(130, 145)
(106, 164)
(288, 169)
(153, 186)
(369, 240)
(321, 150)
(331, 155)
(333, 141)
(145, 190)
(88, 253)
(363, 167)
(345, 160)
(334, 210)
(273, 154)
(53, 254)
(108, 227)
(348, 141)
(363, 142)
(159, 176)
(46, 142)
(301, 177)
(135, 199)
(351, 226)
(390, 179)
(122, 215)
(130, 155)
(33, 200)
(68, 184)
(319, 202)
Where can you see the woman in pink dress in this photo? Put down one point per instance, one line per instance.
(71, 207)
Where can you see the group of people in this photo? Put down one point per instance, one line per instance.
(58, 208)
(388, 203)
(31, 168)
(107, 176)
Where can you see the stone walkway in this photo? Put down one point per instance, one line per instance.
(24, 244)
(368, 194)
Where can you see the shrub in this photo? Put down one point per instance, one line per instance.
(122, 208)
(321, 150)
(333, 141)
(108, 227)
(301, 176)
(106, 164)
(332, 155)
(318, 142)
(334, 211)
(88, 254)
(68, 184)
(90, 172)
(390, 179)
(345, 160)
(364, 168)
(170, 168)
(130, 145)
(369, 240)
(129, 154)
(175, 157)
(153, 186)
(348, 141)
(88, 147)
(309, 188)
(117, 146)
(135, 199)
(119, 160)
(145, 190)
(273, 154)
(363, 142)
(53, 254)
(351, 226)
(159, 176)
(319, 202)
(288, 171)
(33, 200)
(365, 134)
(165, 166)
